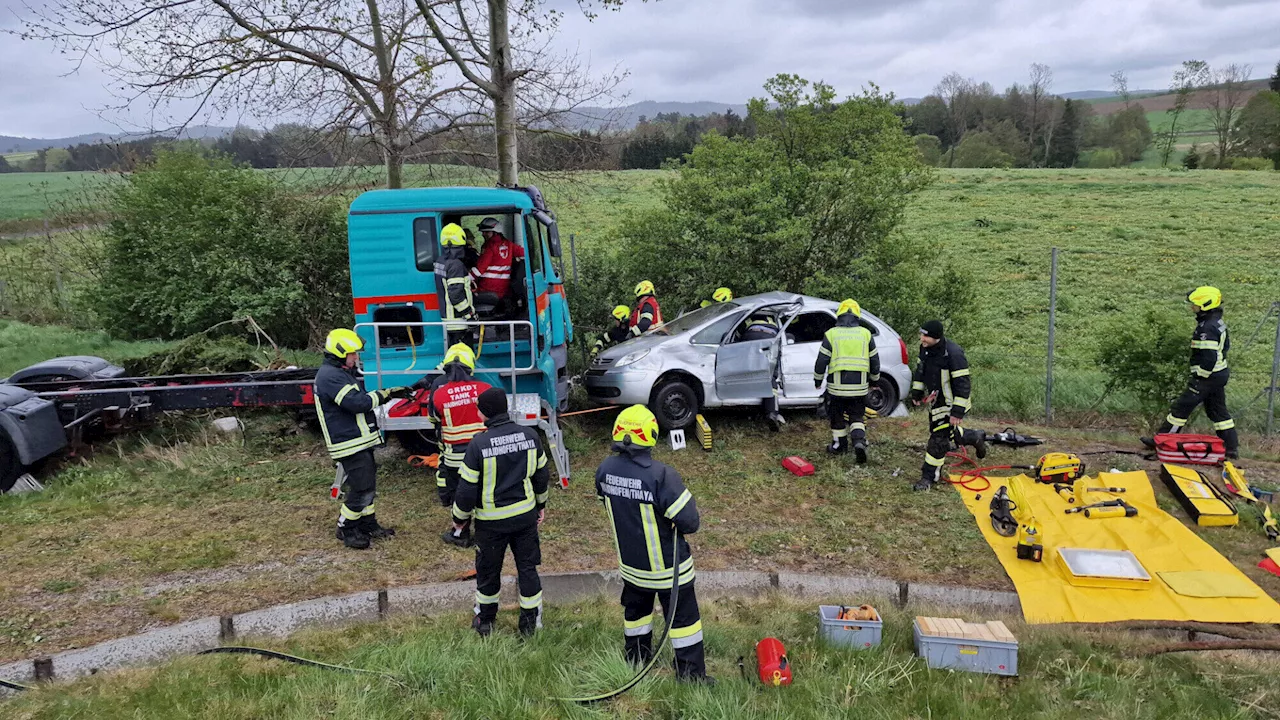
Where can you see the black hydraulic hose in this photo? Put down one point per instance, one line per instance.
(653, 659)
(275, 655)
(13, 685)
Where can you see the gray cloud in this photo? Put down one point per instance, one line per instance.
(723, 50)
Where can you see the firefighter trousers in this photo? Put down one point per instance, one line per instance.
(447, 478)
(360, 474)
(848, 417)
(941, 436)
(686, 627)
(1212, 392)
(491, 549)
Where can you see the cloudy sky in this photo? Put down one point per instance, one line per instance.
(722, 50)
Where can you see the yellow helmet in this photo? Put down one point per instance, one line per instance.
(637, 423)
(461, 352)
(722, 295)
(644, 287)
(850, 306)
(452, 234)
(620, 312)
(1205, 297)
(341, 342)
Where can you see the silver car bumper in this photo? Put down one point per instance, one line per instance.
(619, 387)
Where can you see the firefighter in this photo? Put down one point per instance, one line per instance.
(451, 404)
(647, 313)
(504, 490)
(849, 363)
(351, 433)
(723, 294)
(453, 284)
(943, 373)
(1209, 373)
(647, 503)
(763, 326)
(492, 272)
(616, 334)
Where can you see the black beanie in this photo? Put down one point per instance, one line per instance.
(492, 402)
(933, 329)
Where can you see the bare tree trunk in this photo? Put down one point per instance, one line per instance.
(392, 151)
(504, 100)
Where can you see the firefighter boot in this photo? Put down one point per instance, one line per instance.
(530, 621)
(353, 537)
(638, 649)
(979, 442)
(838, 446)
(460, 538)
(483, 628)
(860, 451)
(1232, 443)
(369, 524)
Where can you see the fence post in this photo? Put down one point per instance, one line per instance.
(1275, 371)
(1053, 314)
(573, 254)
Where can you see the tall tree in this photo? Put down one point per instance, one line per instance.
(1120, 84)
(1192, 75)
(478, 39)
(956, 92)
(364, 67)
(1039, 81)
(1224, 98)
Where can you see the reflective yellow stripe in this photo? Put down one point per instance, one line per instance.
(529, 603)
(468, 474)
(1224, 425)
(1175, 421)
(348, 513)
(662, 583)
(652, 544)
(934, 461)
(1204, 345)
(482, 599)
(946, 386)
(684, 632)
(638, 622)
(337, 399)
(542, 459)
(542, 498)
(960, 373)
(488, 481)
(917, 385)
(679, 504)
(506, 511)
(1201, 372)
(838, 433)
(458, 513)
(963, 402)
(685, 567)
(608, 509)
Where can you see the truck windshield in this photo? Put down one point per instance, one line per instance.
(692, 320)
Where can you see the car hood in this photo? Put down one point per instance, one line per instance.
(644, 342)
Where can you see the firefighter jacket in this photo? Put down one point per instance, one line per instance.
(943, 369)
(454, 287)
(646, 503)
(612, 336)
(646, 315)
(759, 327)
(492, 272)
(504, 477)
(1209, 346)
(451, 404)
(847, 359)
(345, 410)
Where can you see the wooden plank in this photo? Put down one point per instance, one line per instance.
(953, 628)
(923, 623)
(998, 628)
(985, 633)
(944, 627)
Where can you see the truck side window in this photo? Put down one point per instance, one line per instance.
(533, 232)
(426, 241)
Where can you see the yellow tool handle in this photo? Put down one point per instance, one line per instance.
(1106, 512)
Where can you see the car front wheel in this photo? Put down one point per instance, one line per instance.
(675, 404)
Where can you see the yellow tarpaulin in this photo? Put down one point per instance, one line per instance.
(1160, 542)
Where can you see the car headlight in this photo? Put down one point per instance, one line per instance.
(631, 358)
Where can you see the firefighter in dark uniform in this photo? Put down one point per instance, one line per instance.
(453, 283)
(723, 294)
(943, 373)
(647, 503)
(452, 406)
(1209, 373)
(351, 433)
(620, 331)
(764, 326)
(504, 490)
(848, 361)
(647, 313)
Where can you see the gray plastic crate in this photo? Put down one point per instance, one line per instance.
(858, 634)
(973, 655)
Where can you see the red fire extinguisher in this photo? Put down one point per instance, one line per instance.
(771, 662)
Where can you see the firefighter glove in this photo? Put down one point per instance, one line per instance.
(422, 384)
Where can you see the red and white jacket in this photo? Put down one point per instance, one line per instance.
(492, 272)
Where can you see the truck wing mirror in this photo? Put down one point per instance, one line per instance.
(553, 231)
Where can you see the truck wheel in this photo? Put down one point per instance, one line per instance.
(675, 404)
(882, 397)
(10, 466)
(416, 442)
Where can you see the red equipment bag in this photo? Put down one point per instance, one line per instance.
(798, 465)
(1185, 448)
(771, 662)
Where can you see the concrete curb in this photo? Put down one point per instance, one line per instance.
(283, 620)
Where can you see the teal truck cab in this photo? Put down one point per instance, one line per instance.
(521, 338)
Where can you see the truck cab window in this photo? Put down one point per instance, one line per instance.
(426, 241)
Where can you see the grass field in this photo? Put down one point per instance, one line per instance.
(448, 672)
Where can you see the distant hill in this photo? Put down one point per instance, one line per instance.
(12, 144)
(628, 116)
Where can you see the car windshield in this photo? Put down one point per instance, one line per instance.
(689, 321)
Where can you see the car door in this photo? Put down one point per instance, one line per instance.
(805, 331)
(744, 368)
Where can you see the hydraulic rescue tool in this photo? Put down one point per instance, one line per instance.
(1077, 494)
(1057, 467)
(1011, 438)
(1233, 478)
(1011, 515)
(1105, 509)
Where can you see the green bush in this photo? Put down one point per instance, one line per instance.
(930, 149)
(981, 150)
(1100, 158)
(1250, 163)
(811, 204)
(1148, 359)
(194, 241)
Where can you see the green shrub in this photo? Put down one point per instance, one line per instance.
(1148, 359)
(1250, 163)
(1099, 158)
(194, 241)
(930, 149)
(981, 150)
